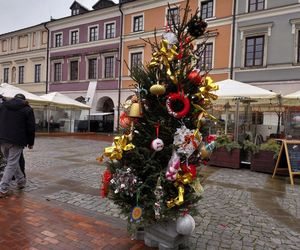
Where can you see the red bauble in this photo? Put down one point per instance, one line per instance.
(181, 98)
(106, 177)
(125, 121)
(191, 168)
(195, 77)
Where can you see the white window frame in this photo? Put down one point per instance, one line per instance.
(209, 40)
(214, 9)
(251, 31)
(75, 11)
(40, 73)
(247, 7)
(295, 32)
(87, 58)
(132, 51)
(70, 36)
(132, 22)
(61, 61)
(54, 39)
(69, 67)
(105, 24)
(23, 76)
(166, 13)
(8, 69)
(89, 29)
(103, 56)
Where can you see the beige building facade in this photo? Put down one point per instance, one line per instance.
(23, 58)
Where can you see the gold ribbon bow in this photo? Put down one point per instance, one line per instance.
(205, 90)
(181, 180)
(163, 57)
(115, 152)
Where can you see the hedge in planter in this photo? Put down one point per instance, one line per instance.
(226, 154)
(265, 160)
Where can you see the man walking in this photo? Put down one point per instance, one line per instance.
(17, 130)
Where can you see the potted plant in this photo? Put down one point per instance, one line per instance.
(265, 160)
(226, 153)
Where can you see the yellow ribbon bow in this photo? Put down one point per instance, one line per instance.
(163, 57)
(115, 152)
(181, 180)
(205, 90)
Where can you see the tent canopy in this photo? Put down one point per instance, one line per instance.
(8, 90)
(59, 100)
(292, 99)
(295, 95)
(232, 90)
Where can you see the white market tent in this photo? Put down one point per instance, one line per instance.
(59, 100)
(51, 100)
(291, 99)
(8, 90)
(231, 91)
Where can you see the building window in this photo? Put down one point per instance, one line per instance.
(58, 40)
(109, 67)
(21, 74)
(254, 51)
(5, 74)
(75, 12)
(205, 62)
(207, 9)
(109, 30)
(57, 72)
(138, 23)
(173, 14)
(74, 36)
(92, 68)
(74, 70)
(93, 34)
(37, 73)
(136, 59)
(254, 5)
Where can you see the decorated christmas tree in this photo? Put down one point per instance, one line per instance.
(152, 167)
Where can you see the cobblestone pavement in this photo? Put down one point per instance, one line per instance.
(240, 209)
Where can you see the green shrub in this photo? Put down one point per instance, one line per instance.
(226, 142)
(250, 146)
(271, 145)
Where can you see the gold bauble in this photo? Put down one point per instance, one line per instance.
(157, 89)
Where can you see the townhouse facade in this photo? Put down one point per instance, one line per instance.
(84, 57)
(267, 44)
(23, 58)
(143, 17)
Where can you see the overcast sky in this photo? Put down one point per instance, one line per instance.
(19, 14)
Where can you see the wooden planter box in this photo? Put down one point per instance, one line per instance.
(222, 158)
(263, 162)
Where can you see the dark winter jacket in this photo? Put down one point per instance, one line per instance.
(17, 122)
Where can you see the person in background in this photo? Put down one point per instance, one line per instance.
(17, 130)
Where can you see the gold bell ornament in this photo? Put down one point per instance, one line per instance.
(135, 110)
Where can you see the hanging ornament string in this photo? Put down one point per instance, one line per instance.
(157, 125)
(137, 211)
